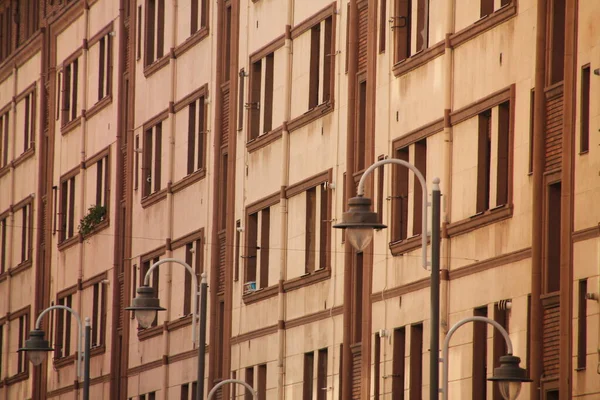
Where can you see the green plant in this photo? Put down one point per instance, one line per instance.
(95, 215)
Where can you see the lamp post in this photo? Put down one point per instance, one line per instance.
(360, 221)
(226, 381)
(37, 347)
(146, 306)
(509, 375)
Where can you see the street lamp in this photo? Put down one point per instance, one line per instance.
(146, 306)
(239, 382)
(508, 375)
(359, 221)
(36, 347)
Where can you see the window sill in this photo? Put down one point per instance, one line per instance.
(64, 361)
(306, 280)
(99, 106)
(261, 294)
(24, 157)
(96, 351)
(417, 60)
(264, 140)
(21, 376)
(400, 247)
(179, 323)
(188, 180)
(70, 242)
(69, 126)
(311, 115)
(154, 198)
(149, 333)
(4, 170)
(480, 220)
(98, 228)
(190, 42)
(156, 66)
(20, 268)
(483, 25)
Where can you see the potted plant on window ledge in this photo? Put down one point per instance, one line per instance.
(96, 215)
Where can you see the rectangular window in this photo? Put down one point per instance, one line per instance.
(401, 26)
(484, 148)
(98, 314)
(380, 184)
(63, 328)
(376, 366)
(196, 135)
(261, 96)
(531, 127)
(487, 8)
(556, 23)
(257, 253)
(3, 248)
(6, 18)
(582, 325)
(322, 49)
(29, 121)
(250, 381)
(69, 91)
(102, 182)
(499, 344)
(383, 23)
(23, 334)
(553, 227)
(502, 156)
(152, 160)
(261, 384)
(361, 128)
(194, 390)
(197, 15)
(152, 396)
(416, 361)
(193, 258)
(226, 56)
(67, 208)
(479, 383)
(104, 66)
(584, 131)
(308, 377)
(1, 348)
(154, 279)
(422, 32)
(398, 369)
(421, 163)
(139, 33)
(155, 30)
(185, 392)
(236, 269)
(255, 94)
(317, 232)
(322, 375)
(4, 135)
(265, 228)
(25, 218)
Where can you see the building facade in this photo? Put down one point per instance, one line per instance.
(230, 134)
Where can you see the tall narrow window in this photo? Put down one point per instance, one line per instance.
(383, 24)
(67, 208)
(4, 135)
(255, 93)
(582, 325)
(70, 91)
(268, 102)
(421, 164)
(422, 25)
(487, 8)
(196, 138)
(311, 231)
(249, 378)
(502, 159)
(261, 384)
(197, 15)
(531, 127)
(23, 332)
(399, 197)
(499, 344)
(315, 52)
(194, 389)
(25, 218)
(361, 128)
(322, 375)
(193, 258)
(236, 269)
(28, 123)
(102, 182)
(376, 366)
(3, 248)
(251, 247)
(154, 280)
(63, 328)
(1, 348)
(308, 378)
(484, 148)
(553, 228)
(155, 30)
(227, 48)
(416, 361)
(185, 392)
(401, 26)
(6, 18)
(139, 33)
(261, 96)
(104, 66)
(321, 53)
(265, 230)
(398, 361)
(584, 132)
(557, 40)
(152, 161)
(479, 355)
(98, 314)
(316, 228)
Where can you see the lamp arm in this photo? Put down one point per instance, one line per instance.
(361, 192)
(195, 293)
(445, 349)
(38, 324)
(226, 381)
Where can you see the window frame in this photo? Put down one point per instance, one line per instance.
(66, 214)
(29, 96)
(99, 310)
(26, 234)
(154, 31)
(63, 324)
(69, 91)
(195, 238)
(149, 153)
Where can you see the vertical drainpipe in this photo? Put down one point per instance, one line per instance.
(371, 99)
(283, 202)
(567, 204)
(447, 174)
(537, 256)
(350, 192)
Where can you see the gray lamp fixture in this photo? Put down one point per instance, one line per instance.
(36, 347)
(359, 221)
(509, 377)
(145, 306)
